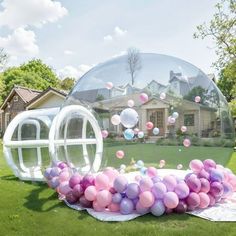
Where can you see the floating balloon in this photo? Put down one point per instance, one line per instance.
(104, 133)
(216, 175)
(183, 129)
(205, 185)
(129, 118)
(115, 119)
(162, 96)
(128, 134)
(171, 120)
(149, 125)
(187, 142)
(143, 97)
(197, 99)
(175, 115)
(84, 202)
(179, 166)
(136, 130)
(156, 131)
(140, 163)
(140, 134)
(109, 85)
(130, 103)
(120, 154)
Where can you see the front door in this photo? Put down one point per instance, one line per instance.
(157, 118)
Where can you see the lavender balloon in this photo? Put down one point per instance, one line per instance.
(71, 198)
(116, 198)
(84, 202)
(120, 184)
(55, 171)
(132, 191)
(216, 189)
(88, 180)
(158, 190)
(126, 206)
(140, 209)
(182, 190)
(216, 175)
(158, 208)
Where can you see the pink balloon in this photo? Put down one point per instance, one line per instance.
(232, 181)
(64, 176)
(151, 172)
(212, 200)
(149, 125)
(183, 129)
(170, 182)
(196, 165)
(146, 199)
(187, 142)
(64, 188)
(145, 184)
(97, 207)
(136, 130)
(104, 133)
(194, 183)
(111, 174)
(104, 198)
(114, 207)
(130, 103)
(143, 97)
(193, 200)
(171, 200)
(208, 164)
(74, 180)
(204, 200)
(182, 190)
(205, 185)
(109, 85)
(197, 99)
(120, 154)
(101, 182)
(115, 119)
(90, 193)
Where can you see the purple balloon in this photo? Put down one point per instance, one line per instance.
(116, 198)
(216, 175)
(78, 190)
(208, 164)
(62, 165)
(132, 191)
(205, 185)
(193, 200)
(47, 173)
(170, 182)
(158, 208)
(228, 190)
(88, 180)
(71, 198)
(194, 183)
(158, 190)
(216, 189)
(54, 182)
(126, 206)
(156, 179)
(204, 174)
(84, 202)
(140, 209)
(75, 179)
(182, 190)
(181, 208)
(55, 171)
(120, 184)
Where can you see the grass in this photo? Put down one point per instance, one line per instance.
(33, 209)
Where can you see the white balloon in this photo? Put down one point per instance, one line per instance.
(129, 118)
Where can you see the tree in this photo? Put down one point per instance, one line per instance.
(197, 91)
(67, 83)
(222, 30)
(3, 58)
(133, 63)
(227, 81)
(232, 106)
(34, 74)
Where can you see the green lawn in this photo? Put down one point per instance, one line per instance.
(33, 209)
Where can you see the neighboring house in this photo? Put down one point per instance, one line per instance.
(21, 99)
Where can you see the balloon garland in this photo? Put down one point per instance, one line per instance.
(206, 185)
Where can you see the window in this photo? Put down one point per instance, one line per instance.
(189, 119)
(15, 98)
(7, 119)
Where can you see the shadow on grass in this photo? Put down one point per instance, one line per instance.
(9, 178)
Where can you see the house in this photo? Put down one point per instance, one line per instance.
(20, 99)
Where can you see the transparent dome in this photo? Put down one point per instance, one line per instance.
(158, 109)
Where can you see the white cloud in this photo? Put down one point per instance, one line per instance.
(23, 13)
(69, 52)
(108, 38)
(20, 42)
(73, 72)
(119, 32)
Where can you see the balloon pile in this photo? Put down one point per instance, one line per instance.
(206, 185)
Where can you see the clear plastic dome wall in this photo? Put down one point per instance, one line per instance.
(168, 113)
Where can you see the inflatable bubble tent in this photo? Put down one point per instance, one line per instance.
(166, 113)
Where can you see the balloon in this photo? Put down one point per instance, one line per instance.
(143, 97)
(97, 207)
(216, 189)
(146, 199)
(55, 171)
(171, 200)
(113, 207)
(216, 175)
(155, 131)
(204, 200)
(54, 182)
(193, 200)
(208, 164)
(179, 166)
(104, 198)
(162, 163)
(64, 188)
(132, 191)
(197, 99)
(78, 190)
(120, 154)
(175, 115)
(111, 174)
(115, 119)
(194, 183)
(62, 165)
(47, 173)
(128, 134)
(90, 193)
(64, 176)
(101, 182)
(130, 103)
(158, 190)
(87, 181)
(170, 182)
(145, 184)
(156, 179)
(204, 174)
(129, 117)
(104, 133)
(74, 180)
(162, 96)
(120, 184)
(109, 85)
(151, 172)
(149, 125)
(84, 202)
(140, 163)
(182, 190)
(136, 130)
(158, 208)
(212, 200)
(122, 167)
(228, 190)
(183, 129)
(205, 185)
(126, 206)
(140, 209)
(138, 178)
(196, 165)
(171, 120)
(71, 198)
(140, 134)
(187, 142)
(116, 198)
(181, 207)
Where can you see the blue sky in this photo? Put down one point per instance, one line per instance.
(73, 35)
